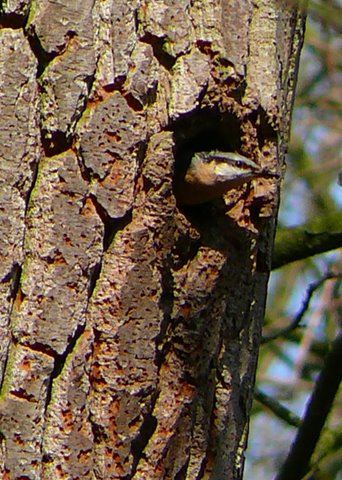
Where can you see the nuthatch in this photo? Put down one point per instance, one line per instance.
(211, 174)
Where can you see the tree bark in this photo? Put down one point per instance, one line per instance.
(130, 325)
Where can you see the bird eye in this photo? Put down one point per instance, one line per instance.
(238, 163)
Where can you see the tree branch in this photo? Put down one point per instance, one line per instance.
(297, 463)
(277, 408)
(318, 236)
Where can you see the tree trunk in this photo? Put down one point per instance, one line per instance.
(130, 324)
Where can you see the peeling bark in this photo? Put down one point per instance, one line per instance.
(129, 325)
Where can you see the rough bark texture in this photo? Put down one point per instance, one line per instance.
(130, 325)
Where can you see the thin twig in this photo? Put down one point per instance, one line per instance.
(277, 408)
(298, 318)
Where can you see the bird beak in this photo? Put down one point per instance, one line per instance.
(268, 174)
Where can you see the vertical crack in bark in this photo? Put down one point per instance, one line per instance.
(93, 277)
(113, 226)
(147, 429)
(60, 360)
(157, 44)
(55, 142)
(34, 167)
(166, 305)
(14, 276)
(43, 57)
